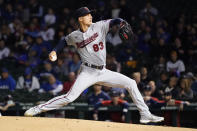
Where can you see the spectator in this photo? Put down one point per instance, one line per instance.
(148, 10)
(159, 67)
(36, 23)
(148, 34)
(113, 37)
(160, 48)
(46, 72)
(98, 95)
(32, 30)
(8, 13)
(42, 47)
(31, 59)
(103, 11)
(115, 8)
(28, 81)
(147, 92)
(144, 75)
(65, 15)
(179, 28)
(8, 102)
(125, 12)
(175, 66)
(68, 84)
(162, 84)
(144, 40)
(112, 64)
(154, 90)
(47, 33)
(74, 65)
(184, 91)
(151, 102)
(50, 18)
(107, 89)
(126, 53)
(61, 68)
(53, 86)
(121, 91)
(115, 116)
(192, 54)
(4, 51)
(30, 40)
(20, 12)
(22, 47)
(172, 102)
(35, 9)
(6, 80)
(7, 36)
(142, 27)
(4, 108)
(162, 34)
(137, 77)
(172, 87)
(178, 47)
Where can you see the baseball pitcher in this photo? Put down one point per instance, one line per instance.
(89, 40)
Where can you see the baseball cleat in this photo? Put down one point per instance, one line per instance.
(32, 111)
(150, 118)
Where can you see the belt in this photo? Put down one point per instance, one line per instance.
(94, 66)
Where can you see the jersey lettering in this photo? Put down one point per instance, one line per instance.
(87, 41)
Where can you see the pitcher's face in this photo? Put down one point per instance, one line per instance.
(86, 20)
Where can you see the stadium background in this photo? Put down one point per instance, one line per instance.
(29, 32)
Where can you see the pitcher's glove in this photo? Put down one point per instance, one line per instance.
(125, 31)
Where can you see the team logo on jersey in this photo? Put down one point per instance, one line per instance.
(87, 41)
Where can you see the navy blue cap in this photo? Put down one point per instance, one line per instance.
(147, 88)
(114, 93)
(82, 12)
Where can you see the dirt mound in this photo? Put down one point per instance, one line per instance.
(59, 124)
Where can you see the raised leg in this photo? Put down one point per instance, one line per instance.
(114, 79)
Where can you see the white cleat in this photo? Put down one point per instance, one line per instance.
(32, 111)
(150, 118)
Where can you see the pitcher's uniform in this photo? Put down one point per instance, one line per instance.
(91, 47)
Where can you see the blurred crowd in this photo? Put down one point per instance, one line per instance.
(161, 57)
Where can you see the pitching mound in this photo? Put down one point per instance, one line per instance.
(59, 124)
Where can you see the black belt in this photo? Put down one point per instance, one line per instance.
(94, 66)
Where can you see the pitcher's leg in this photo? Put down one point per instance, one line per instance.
(82, 82)
(114, 79)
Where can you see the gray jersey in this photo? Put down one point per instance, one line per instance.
(91, 44)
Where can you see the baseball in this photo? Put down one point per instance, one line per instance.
(53, 57)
